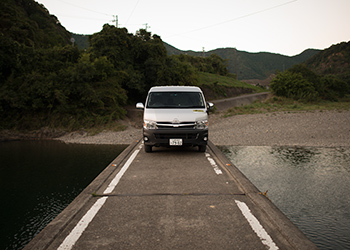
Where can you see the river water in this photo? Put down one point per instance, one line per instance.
(38, 179)
(310, 185)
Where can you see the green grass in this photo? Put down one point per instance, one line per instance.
(281, 104)
(213, 80)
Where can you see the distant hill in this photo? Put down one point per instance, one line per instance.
(29, 23)
(81, 40)
(335, 61)
(257, 66)
(251, 65)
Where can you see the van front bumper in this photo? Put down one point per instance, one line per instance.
(161, 137)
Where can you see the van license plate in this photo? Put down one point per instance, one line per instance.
(175, 142)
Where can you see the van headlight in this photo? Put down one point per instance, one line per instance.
(202, 124)
(149, 124)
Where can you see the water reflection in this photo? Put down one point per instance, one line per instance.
(298, 156)
(310, 185)
(39, 179)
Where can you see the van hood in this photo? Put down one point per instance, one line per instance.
(180, 115)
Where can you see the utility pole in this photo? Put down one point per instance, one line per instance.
(203, 51)
(115, 20)
(236, 64)
(146, 26)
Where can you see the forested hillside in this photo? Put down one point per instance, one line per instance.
(251, 65)
(334, 61)
(325, 76)
(30, 24)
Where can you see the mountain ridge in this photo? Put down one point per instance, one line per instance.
(334, 60)
(250, 65)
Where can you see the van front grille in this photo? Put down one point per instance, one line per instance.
(181, 125)
(191, 136)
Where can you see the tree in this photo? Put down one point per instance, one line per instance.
(141, 59)
(8, 56)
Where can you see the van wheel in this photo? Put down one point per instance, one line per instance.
(148, 148)
(202, 148)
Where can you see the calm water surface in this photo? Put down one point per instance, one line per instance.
(38, 179)
(311, 186)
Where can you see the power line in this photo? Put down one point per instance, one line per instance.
(77, 6)
(132, 12)
(237, 18)
(85, 18)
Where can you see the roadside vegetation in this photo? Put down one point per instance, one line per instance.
(300, 89)
(213, 80)
(301, 83)
(282, 104)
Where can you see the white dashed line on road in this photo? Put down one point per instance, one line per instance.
(78, 230)
(256, 226)
(213, 164)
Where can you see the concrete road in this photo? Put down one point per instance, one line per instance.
(172, 198)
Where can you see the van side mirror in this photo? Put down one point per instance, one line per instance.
(210, 105)
(139, 105)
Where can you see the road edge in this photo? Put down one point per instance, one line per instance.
(291, 232)
(46, 237)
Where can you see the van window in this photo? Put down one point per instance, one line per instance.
(175, 100)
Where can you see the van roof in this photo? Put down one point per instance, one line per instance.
(175, 88)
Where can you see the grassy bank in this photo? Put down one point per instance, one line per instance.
(213, 80)
(220, 87)
(281, 104)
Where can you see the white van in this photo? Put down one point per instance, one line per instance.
(175, 116)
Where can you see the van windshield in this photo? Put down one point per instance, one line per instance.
(175, 100)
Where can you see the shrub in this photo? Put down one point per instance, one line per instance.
(334, 88)
(295, 86)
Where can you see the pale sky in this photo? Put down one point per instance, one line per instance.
(286, 27)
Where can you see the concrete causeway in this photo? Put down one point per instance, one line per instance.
(172, 198)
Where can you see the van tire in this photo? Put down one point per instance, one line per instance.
(148, 148)
(202, 148)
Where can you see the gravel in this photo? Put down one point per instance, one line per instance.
(127, 136)
(319, 128)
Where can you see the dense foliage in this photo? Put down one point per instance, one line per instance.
(141, 59)
(211, 64)
(29, 23)
(61, 84)
(78, 88)
(301, 83)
